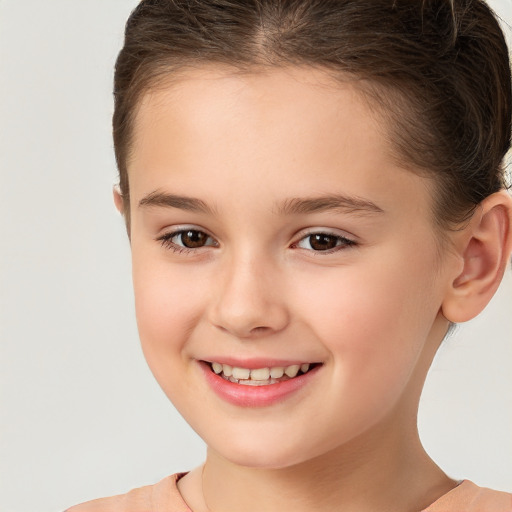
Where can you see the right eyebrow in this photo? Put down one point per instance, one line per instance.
(162, 199)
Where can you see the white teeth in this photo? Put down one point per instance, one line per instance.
(254, 382)
(241, 373)
(292, 370)
(277, 372)
(260, 374)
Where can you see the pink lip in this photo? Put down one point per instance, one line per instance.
(255, 396)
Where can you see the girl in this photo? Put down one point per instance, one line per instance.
(314, 193)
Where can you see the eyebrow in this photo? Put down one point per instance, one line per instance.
(291, 206)
(165, 200)
(330, 202)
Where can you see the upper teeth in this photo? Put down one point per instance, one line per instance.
(275, 372)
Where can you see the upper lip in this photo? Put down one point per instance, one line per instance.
(257, 362)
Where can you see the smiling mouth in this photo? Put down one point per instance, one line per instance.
(260, 376)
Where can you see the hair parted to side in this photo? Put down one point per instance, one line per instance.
(438, 71)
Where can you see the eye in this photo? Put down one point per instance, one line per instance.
(186, 240)
(324, 242)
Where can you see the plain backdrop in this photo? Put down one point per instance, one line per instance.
(80, 414)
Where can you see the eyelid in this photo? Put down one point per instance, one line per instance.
(166, 238)
(325, 231)
(347, 239)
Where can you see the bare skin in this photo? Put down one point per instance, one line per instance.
(401, 474)
(372, 311)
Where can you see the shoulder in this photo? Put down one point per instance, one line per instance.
(469, 497)
(489, 500)
(133, 501)
(161, 497)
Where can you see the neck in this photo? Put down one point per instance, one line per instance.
(361, 477)
(385, 469)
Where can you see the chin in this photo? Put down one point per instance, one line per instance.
(263, 460)
(272, 454)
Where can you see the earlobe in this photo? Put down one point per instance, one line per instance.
(485, 254)
(118, 199)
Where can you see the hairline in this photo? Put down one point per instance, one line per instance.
(373, 92)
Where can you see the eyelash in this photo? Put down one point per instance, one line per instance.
(342, 242)
(166, 241)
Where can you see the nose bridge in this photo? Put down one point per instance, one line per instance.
(249, 300)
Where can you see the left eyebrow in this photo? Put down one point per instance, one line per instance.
(334, 202)
(165, 200)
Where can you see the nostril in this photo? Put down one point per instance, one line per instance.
(259, 329)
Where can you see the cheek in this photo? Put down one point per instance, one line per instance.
(374, 321)
(168, 306)
(365, 305)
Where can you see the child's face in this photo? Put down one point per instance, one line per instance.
(266, 161)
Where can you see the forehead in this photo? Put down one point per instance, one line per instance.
(300, 102)
(286, 129)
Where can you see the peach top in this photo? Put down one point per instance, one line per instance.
(165, 497)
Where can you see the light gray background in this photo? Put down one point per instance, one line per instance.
(80, 414)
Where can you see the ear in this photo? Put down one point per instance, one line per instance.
(118, 199)
(484, 248)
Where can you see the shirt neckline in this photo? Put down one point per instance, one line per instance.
(462, 483)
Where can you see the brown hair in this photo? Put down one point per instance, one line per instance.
(439, 71)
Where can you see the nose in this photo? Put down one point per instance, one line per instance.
(249, 301)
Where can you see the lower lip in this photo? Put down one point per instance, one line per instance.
(255, 396)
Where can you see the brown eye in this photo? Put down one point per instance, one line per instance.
(323, 242)
(319, 242)
(186, 240)
(193, 239)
